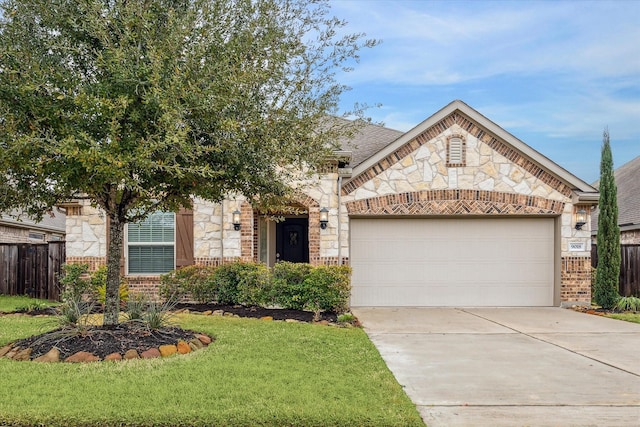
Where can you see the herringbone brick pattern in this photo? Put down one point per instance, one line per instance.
(455, 202)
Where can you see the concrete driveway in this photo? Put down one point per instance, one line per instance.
(511, 366)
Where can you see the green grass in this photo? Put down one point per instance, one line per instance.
(628, 317)
(9, 304)
(257, 373)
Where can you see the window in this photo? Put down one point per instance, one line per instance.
(456, 151)
(151, 244)
(36, 236)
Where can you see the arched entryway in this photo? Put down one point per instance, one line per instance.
(290, 235)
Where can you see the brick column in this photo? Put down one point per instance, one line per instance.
(575, 278)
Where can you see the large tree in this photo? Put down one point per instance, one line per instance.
(608, 238)
(141, 105)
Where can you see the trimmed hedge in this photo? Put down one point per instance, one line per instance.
(287, 285)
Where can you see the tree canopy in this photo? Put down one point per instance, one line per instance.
(141, 105)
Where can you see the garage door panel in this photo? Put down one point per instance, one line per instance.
(452, 262)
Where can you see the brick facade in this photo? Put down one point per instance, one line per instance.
(455, 202)
(575, 277)
(414, 177)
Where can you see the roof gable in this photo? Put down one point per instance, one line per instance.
(460, 114)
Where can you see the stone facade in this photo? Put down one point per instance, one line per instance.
(416, 178)
(495, 179)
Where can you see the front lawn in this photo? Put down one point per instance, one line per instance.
(256, 373)
(9, 304)
(627, 316)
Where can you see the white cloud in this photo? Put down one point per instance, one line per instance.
(441, 43)
(553, 73)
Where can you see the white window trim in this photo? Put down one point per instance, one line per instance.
(126, 251)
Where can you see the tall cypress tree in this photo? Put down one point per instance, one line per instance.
(607, 276)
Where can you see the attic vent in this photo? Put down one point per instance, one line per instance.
(456, 150)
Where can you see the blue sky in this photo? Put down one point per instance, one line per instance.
(552, 73)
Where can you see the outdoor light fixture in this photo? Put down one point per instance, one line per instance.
(324, 218)
(581, 218)
(236, 220)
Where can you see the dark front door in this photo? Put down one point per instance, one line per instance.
(292, 240)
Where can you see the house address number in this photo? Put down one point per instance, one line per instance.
(576, 246)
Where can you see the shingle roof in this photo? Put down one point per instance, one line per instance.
(627, 179)
(368, 141)
(54, 222)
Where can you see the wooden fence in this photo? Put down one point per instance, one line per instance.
(31, 269)
(629, 269)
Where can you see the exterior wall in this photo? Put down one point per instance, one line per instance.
(630, 237)
(334, 240)
(15, 227)
(86, 232)
(11, 234)
(494, 179)
(416, 179)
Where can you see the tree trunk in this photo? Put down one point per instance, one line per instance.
(112, 294)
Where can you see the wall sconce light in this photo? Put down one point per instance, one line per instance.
(235, 219)
(324, 218)
(581, 218)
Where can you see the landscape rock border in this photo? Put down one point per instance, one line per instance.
(15, 352)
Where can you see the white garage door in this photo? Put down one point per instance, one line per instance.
(452, 262)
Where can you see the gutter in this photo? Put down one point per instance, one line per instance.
(586, 198)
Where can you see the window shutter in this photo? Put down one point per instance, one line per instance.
(184, 238)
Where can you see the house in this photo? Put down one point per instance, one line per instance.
(16, 229)
(455, 212)
(627, 179)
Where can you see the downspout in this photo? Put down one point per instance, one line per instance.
(222, 232)
(342, 172)
(339, 218)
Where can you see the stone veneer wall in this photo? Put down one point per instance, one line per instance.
(495, 179)
(413, 180)
(86, 232)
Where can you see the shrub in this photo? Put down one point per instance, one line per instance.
(346, 318)
(98, 282)
(195, 281)
(287, 289)
(74, 282)
(136, 307)
(628, 304)
(199, 283)
(327, 288)
(254, 286)
(157, 315)
(234, 282)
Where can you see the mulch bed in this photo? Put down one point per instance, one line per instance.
(259, 312)
(104, 340)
